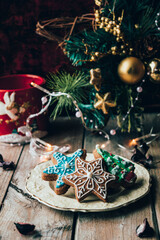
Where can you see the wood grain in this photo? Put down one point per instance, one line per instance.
(19, 207)
(120, 224)
(155, 173)
(9, 154)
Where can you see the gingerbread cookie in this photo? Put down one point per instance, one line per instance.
(65, 165)
(122, 169)
(89, 177)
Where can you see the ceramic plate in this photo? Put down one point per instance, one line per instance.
(43, 192)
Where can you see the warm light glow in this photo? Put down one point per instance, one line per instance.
(152, 65)
(103, 145)
(49, 147)
(33, 84)
(133, 142)
(44, 158)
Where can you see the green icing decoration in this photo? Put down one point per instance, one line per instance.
(116, 165)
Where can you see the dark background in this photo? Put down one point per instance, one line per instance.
(24, 51)
(21, 49)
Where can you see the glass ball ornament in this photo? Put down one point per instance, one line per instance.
(113, 132)
(131, 70)
(154, 70)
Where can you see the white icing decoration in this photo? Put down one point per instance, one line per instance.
(116, 157)
(67, 165)
(109, 160)
(89, 174)
(117, 167)
(114, 171)
(88, 177)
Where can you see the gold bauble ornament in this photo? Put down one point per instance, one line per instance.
(154, 70)
(131, 70)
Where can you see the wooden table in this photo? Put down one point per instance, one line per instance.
(17, 206)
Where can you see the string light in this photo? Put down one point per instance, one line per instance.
(157, 21)
(44, 150)
(103, 145)
(46, 100)
(135, 141)
(139, 90)
(80, 114)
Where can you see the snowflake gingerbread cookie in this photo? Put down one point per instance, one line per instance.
(89, 178)
(64, 165)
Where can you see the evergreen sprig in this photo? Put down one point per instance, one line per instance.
(138, 23)
(141, 13)
(138, 32)
(74, 84)
(81, 47)
(93, 116)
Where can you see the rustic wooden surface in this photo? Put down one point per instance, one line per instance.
(17, 206)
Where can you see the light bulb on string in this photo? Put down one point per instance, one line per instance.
(103, 145)
(139, 90)
(79, 112)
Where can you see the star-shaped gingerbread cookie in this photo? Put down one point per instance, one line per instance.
(89, 177)
(65, 165)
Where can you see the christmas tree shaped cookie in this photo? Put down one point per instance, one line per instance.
(122, 169)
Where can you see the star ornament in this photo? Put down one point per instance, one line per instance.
(96, 78)
(104, 103)
(65, 165)
(89, 177)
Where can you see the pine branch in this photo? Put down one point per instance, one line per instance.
(94, 117)
(81, 47)
(75, 85)
(141, 14)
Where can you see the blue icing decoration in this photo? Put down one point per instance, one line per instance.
(65, 165)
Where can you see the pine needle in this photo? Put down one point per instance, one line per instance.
(75, 85)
